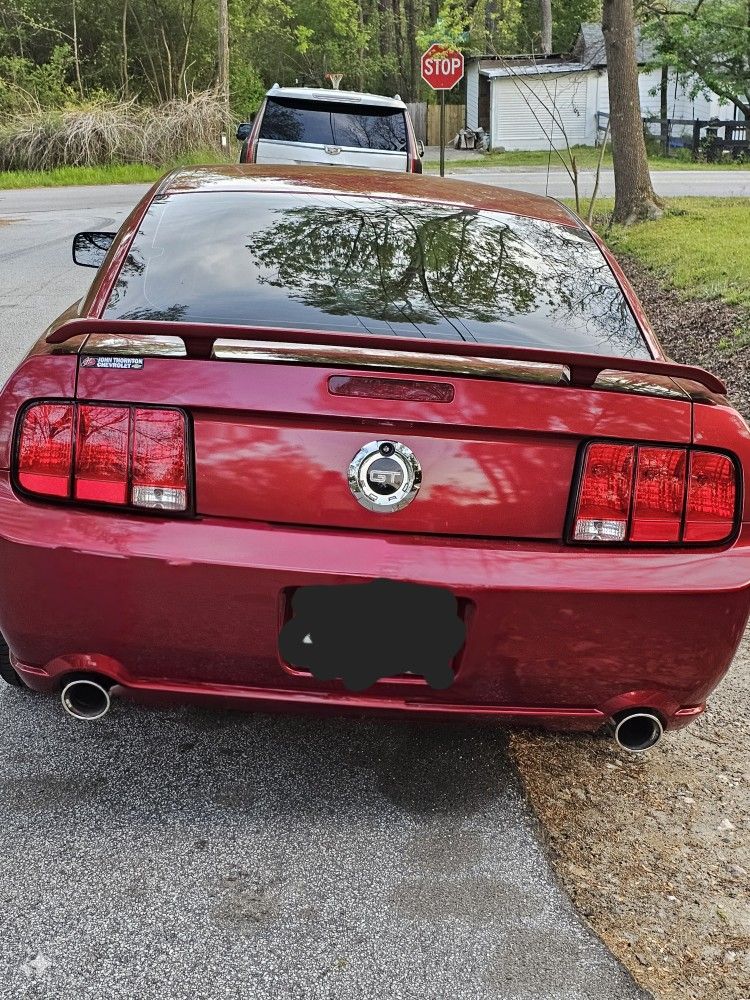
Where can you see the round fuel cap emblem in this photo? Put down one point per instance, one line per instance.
(384, 476)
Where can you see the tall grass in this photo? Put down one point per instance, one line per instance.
(112, 132)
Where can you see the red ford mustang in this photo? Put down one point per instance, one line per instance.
(361, 441)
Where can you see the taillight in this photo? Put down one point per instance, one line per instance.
(659, 495)
(159, 466)
(646, 493)
(606, 489)
(115, 454)
(45, 449)
(711, 497)
(102, 454)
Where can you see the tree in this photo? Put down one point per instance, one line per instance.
(545, 12)
(223, 60)
(634, 196)
(708, 40)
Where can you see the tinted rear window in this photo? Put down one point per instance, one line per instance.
(332, 124)
(373, 265)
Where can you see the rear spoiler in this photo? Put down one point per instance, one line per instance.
(199, 339)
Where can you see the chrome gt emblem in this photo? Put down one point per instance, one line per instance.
(384, 476)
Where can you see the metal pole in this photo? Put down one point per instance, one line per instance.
(442, 133)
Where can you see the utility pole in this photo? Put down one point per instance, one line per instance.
(223, 79)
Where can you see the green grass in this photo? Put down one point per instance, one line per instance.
(115, 173)
(587, 158)
(701, 246)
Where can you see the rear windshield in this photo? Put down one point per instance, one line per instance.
(373, 265)
(331, 124)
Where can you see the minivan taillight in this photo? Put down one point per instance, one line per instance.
(112, 454)
(653, 494)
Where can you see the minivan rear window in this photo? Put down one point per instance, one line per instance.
(341, 262)
(331, 124)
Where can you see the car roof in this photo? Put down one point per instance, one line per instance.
(345, 96)
(323, 180)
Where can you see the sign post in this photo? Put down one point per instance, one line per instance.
(442, 69)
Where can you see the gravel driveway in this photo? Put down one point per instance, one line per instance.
(656, 850)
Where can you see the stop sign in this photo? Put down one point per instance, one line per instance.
(442, 67)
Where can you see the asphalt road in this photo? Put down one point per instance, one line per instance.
(188, 854)
(667, 183)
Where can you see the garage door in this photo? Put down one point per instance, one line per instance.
(529, 110)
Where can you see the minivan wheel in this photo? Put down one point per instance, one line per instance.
(7, 672)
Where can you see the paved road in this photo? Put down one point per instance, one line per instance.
(189, 854)
(668, 183)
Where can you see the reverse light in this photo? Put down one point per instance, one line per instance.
(606, 489)
(159, 466)
(645, 493)
(114, 454)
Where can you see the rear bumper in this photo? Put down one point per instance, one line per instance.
(191, 610)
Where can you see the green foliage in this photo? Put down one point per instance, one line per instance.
(58, 53)
(710, 41)
(482, 27)
(25, 85)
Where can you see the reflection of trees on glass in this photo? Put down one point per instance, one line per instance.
(425, 265)
(174, 313)
(289, 120)
(371, 131)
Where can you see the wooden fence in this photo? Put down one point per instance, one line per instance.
(426, 118)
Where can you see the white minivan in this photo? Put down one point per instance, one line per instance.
(301, 125)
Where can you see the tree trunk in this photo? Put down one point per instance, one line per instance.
(223, 75)
(76, 54)
(634, 196)
(545, 10)
(125, 73)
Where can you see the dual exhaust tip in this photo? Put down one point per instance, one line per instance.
(88, 700)
(637, 731)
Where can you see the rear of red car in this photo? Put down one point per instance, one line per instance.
(181, 460)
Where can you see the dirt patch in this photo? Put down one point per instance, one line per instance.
(655, 850)
(698, 332)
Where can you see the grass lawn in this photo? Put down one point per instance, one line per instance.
(587, 158)
(115, 173)
(701, 246)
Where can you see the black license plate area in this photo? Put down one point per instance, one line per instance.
(365, 632)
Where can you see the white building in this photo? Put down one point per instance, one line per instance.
(512, 97)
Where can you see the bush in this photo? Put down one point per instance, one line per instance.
(26, 86)
(112, 132)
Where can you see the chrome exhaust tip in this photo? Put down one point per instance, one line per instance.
(85, 699)
(638, 731)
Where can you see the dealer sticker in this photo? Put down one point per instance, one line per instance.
(103, 362)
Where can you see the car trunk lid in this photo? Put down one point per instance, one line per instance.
(276, 426)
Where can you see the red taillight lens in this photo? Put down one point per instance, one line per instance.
(711, 499)
(118, 454)
(637, 493)
(45, 449)
(659, 495)
(102, 454)
(159, 466)
(604, 499)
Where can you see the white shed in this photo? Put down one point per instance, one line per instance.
(527, 103)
